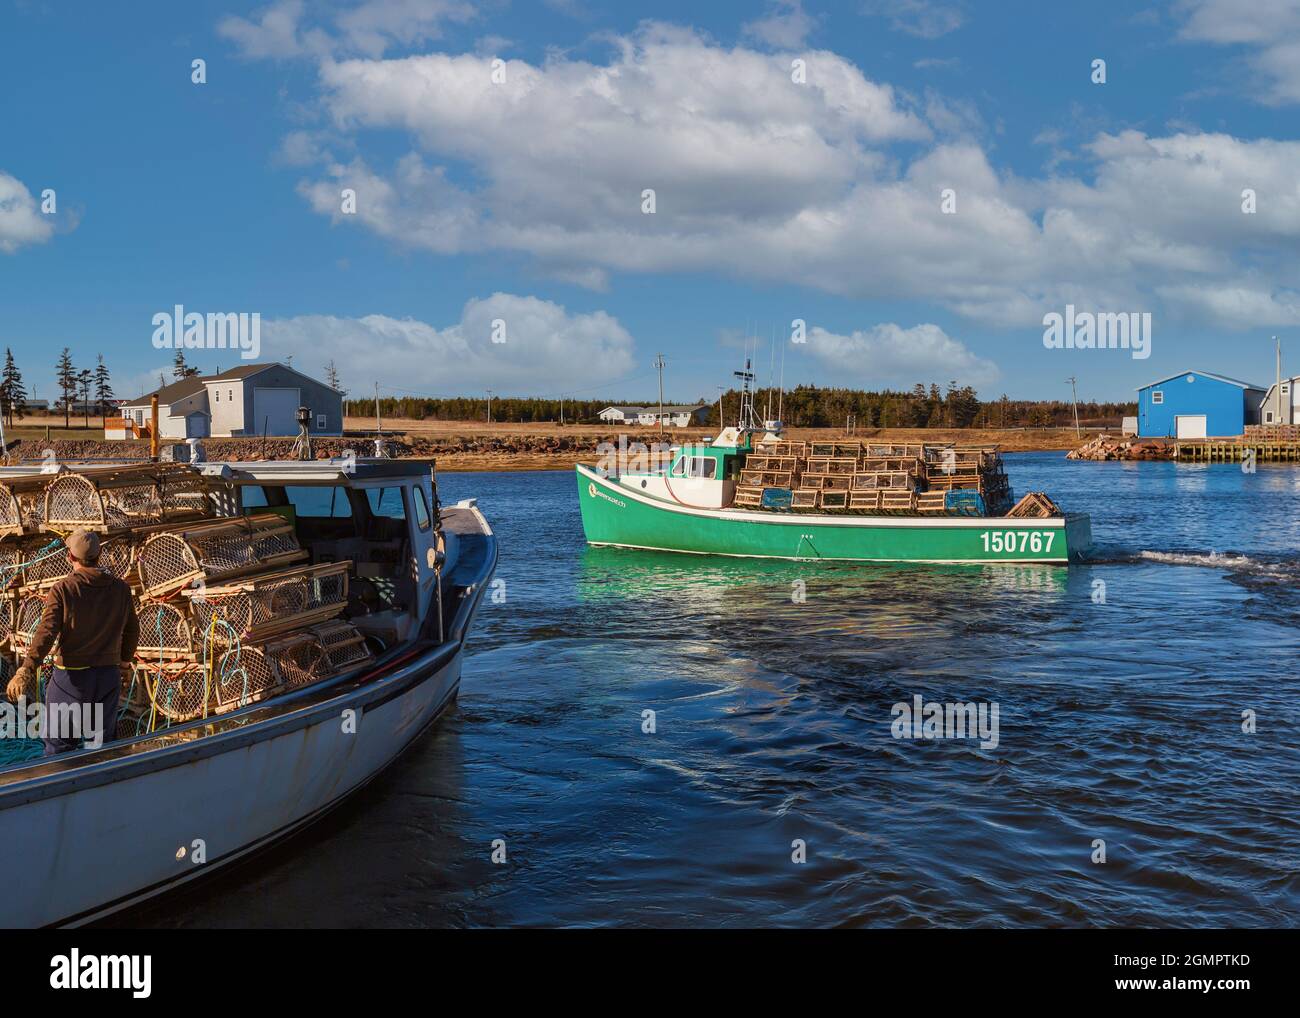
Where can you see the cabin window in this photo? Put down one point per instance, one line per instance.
(330, 502)
(694, 467)
(1157, 397)
(422, 518)
(253, 496)
(386, 502)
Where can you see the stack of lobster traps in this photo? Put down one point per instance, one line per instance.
(874, 477)
(230, 610)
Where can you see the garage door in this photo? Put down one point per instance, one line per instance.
(275, 411)
(1189, 426)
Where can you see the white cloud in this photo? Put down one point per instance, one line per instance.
(926, 19)
(21, 219)
(280, 31)
(546, 349)
(834, 185)
(1270, 29)
(889, 355)
(786, 25)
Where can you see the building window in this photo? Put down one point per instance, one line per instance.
(320, 422)
(230, 395)
(1268, 417)
(217, 393)
(1157, 397)
(1285, 388)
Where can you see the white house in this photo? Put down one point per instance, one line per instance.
(1285, 410)
(621, 414)
(249, 400)
(674, 416)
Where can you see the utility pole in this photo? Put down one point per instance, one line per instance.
(489, 392)
(659, 363)
(561, 411)
(377, 421)
(1277, 398)
(1074, 395)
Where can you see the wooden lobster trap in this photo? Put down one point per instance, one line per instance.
(268, 604)
(11, 564)
(178, 690)
(244, 675)
(118, 498)
(43, 561)
(22, 503)
(27, 614)
(8, 605)
(165, 632)
(343, 645)
(216, 551)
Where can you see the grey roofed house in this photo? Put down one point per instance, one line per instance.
(248, 400)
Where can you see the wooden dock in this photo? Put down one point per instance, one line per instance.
(1226, 451)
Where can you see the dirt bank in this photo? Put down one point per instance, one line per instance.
(461, 446)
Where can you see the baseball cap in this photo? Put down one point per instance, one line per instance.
(84, 544)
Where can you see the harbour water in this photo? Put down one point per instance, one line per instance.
(1120, 687)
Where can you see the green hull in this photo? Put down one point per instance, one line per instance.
(613, 514)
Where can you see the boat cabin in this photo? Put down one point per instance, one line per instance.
(699, 474)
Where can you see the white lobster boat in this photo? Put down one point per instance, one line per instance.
(96, 831)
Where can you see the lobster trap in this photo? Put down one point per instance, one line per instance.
(165, 632)
(120, 498)
(7, 603)
(178, 690)
(343, 645)
(11, 565)
(22, 503)
(268, 604)
(43, 561)
(26, 619)
(216, 551)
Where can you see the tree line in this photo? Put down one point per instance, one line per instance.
(73, 382)
(804, 406)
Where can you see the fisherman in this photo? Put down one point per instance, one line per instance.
(90, 614)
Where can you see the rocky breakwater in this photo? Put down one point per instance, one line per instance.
(1109, 447)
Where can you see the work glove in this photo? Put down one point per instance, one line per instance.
(24, 681)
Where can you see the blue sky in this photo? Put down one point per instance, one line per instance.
(520, 200)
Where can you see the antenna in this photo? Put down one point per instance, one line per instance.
(747, 419)
(780, 402)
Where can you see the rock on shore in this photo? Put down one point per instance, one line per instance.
(1108, 447)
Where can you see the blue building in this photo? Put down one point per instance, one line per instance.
(1197, 404)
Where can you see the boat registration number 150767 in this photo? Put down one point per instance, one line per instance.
(1036, 542)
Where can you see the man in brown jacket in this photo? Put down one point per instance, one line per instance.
(90, 614)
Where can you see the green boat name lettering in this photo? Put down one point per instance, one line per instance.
(1010, 541)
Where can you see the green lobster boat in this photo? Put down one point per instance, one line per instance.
(691, 507)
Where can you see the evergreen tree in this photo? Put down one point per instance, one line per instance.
(65, 376)
(179, 368)
(84, 378)
(13, 396)
(103, 387)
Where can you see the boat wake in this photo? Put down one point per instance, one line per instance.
(1250, 569)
